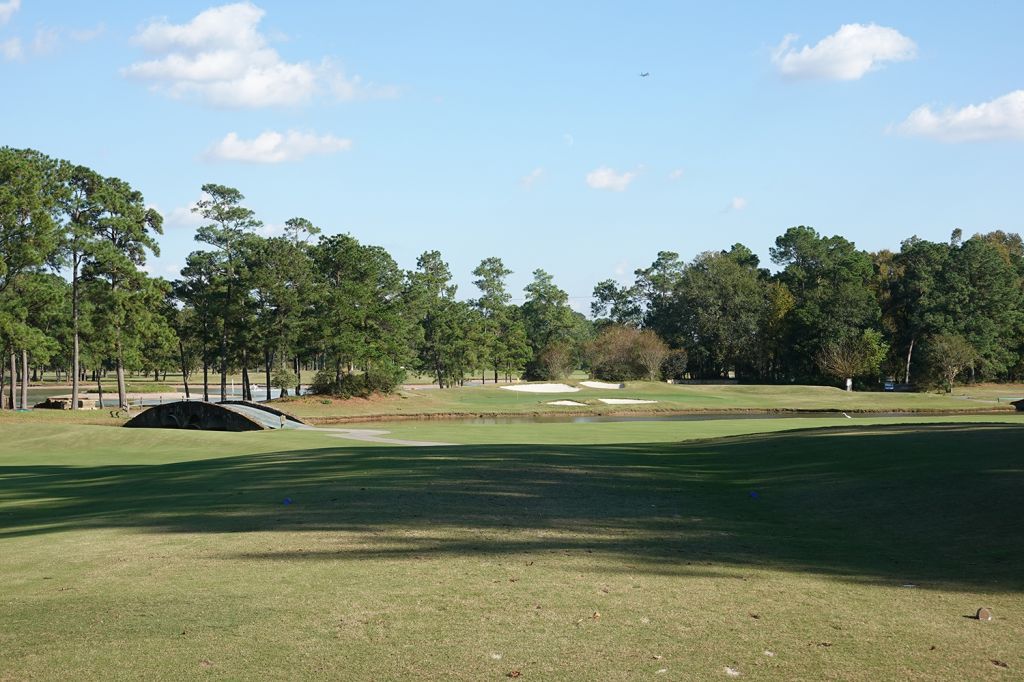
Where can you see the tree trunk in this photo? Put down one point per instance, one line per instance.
(268, 360)
(99, 386)
(3, 378)
(184, 371)
(74, 328)
(14, 380)
(24, 379)
(298, 375)
(246, 391)
(122, 395)
(206, 378)
(910, 351)
(224, 366)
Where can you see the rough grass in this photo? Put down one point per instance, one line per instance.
(146, 554)
(491, 399)
(999, 393)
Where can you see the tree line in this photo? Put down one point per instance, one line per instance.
(340, 316)
(930, 313)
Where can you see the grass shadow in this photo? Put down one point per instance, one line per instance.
(932, 505)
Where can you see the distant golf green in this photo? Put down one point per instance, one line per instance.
(491, 399)
(854, 552)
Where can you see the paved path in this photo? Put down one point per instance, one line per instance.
(377, 436)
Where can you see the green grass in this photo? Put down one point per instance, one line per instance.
(995, 392)
(167, 554)
(491, 399)
(449, 431)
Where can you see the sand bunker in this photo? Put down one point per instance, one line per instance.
(542, 388)
(624, 401)
(567, 403)
(600, 384)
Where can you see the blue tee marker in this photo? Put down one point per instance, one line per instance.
(754, 495)
(287, 501)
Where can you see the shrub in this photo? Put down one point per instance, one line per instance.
(284, 379)
(620, 353)
(556, 361)
(611, 354)
(649, 351)
(384, 377)
(673, 367)
(381, 379)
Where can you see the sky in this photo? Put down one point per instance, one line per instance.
(526, 131)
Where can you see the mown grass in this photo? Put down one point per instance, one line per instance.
(454, 431)
(165, 554)
(491, 399)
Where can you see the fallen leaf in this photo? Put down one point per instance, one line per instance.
(824, 643)
(769, 653)
(1001, 664)
(596, 615)
(732, 672)
(755, 616)
(657, 658)
(515, 673)
(206, 663)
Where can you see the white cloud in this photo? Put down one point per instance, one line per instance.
(737, 204)
(998, 119)
(270, 230)
(84, 35)
(347, 89)
(11, 49)
(531, 178)
(275, 147)
(7, 10)
(847, 54)
(676, 174)
(46, 41)
(183, 217)
(221, 57)
(607, 178)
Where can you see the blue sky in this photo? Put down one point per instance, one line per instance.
(525, 131)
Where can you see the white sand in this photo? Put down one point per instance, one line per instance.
(567, 403)
(624, 401)
(600, 384)
(542, 388)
